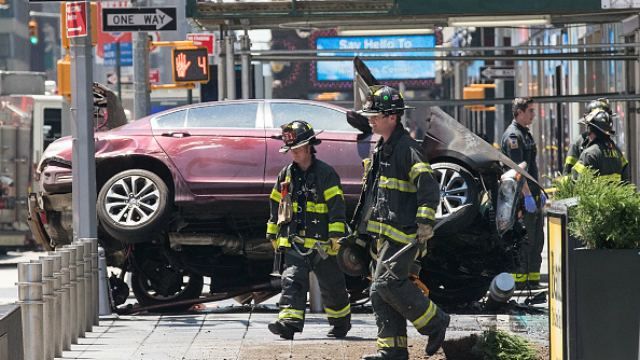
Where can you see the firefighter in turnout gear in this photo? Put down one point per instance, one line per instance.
(601, 153)
(518, 144)
(307, 220)
(581, 142)
(397, 207)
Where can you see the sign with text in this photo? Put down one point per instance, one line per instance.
(139, 19)
(76, 15)
(126, 54)
(204, 39)
(498, 72)
(190, 65)
(556, 238)
(381, 69)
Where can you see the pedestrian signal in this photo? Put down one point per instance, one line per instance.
(190, 65)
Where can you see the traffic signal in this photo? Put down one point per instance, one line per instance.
(190, 65)
(33, 31)
(64, 76)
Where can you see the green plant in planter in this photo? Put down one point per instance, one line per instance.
(500, 345)
(608, 212)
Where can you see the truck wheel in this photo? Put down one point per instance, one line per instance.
(133, 205)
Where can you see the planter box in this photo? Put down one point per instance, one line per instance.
(604, 305)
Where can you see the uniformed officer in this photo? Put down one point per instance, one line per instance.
(397, 207)
(519, 145)
(581, 142)
(307, 220)
(601, 153)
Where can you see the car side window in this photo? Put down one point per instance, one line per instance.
(174, 120)
(223, 116)
(320, 117)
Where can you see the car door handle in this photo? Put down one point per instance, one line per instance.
(176, 134)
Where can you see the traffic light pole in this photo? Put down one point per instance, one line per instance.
(141, 96)
(84, 164)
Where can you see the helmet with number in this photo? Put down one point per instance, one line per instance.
(298, 133)
(600, 103)
(384, 100)
(599, 120)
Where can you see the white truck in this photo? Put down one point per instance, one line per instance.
(29, 121)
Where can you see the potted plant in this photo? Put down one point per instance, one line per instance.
(603, 301)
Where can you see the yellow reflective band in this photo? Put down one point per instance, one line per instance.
(625, 162)
(424, 319)
(338, 313)
(390, 342)
(570, 160)
(336, 227)
(272, 228)
(520, 277)
(275, 195)
(389, 231)
(534, 276)
(579, 167)
(318, 208)
(612, 177)
(425, 212)
(397, 184)
(333, 191)
(289, 313)
(283, 242)
(417, 169)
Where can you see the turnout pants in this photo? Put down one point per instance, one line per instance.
(531, 250)
(295, 285)
(397, 300)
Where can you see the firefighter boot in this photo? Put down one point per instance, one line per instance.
(278, 328)
(438, 332)
(339, 331)
(389, 354)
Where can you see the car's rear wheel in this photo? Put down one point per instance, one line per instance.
(459, 191)
(133, 204)
(166, 290)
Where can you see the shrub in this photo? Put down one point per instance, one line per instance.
(608, 212)
(500, 345)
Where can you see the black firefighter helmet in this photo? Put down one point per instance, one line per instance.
(298, 133)
(599, 120)
(384, 100)
(600, 103)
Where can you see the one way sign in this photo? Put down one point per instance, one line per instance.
(497, 72)
(139, 19)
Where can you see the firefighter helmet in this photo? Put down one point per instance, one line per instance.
(353, 259)
(600, 103)
(599, 120)
(384, 100)
(298, 133)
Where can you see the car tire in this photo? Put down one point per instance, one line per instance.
(458, 187)
(133, 205)
(146, 296)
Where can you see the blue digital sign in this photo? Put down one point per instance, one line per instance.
(381, 69)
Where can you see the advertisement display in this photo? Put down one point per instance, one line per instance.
(381, 69)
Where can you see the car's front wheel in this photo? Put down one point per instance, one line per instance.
(133, 204)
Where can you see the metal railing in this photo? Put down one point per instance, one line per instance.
(59, 296)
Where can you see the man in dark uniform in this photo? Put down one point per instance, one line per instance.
(397, 207)
(581, 142)
(519, 145)
(307, 220)
(601, 153)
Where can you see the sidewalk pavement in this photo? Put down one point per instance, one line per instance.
(244, 335)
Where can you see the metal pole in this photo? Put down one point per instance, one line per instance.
(559, 120)
(230, 66)
(141, 95)
(81, 286)
(84, 168)
(245, 46)
(104, 302)
(315, 298)
(189, 96)
(32, 309)
(58, 333)
(459, 58)
(73, 294)
(118, 72)
(220, 62)
(48, 315)
(65, 314)
(93, 246)
(88, 282)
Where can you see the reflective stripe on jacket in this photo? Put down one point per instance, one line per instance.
(603, 156)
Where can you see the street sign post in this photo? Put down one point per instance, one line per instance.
(190, 65)
(204, 39)
(76, 15)
(139, 19)
(498, 72)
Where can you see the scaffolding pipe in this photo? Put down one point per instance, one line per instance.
(533, 57)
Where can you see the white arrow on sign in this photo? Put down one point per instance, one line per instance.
(491, 73)
(160, 19)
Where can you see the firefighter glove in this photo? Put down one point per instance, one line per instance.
(425, 232)
(335, 244)
(529, 204)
